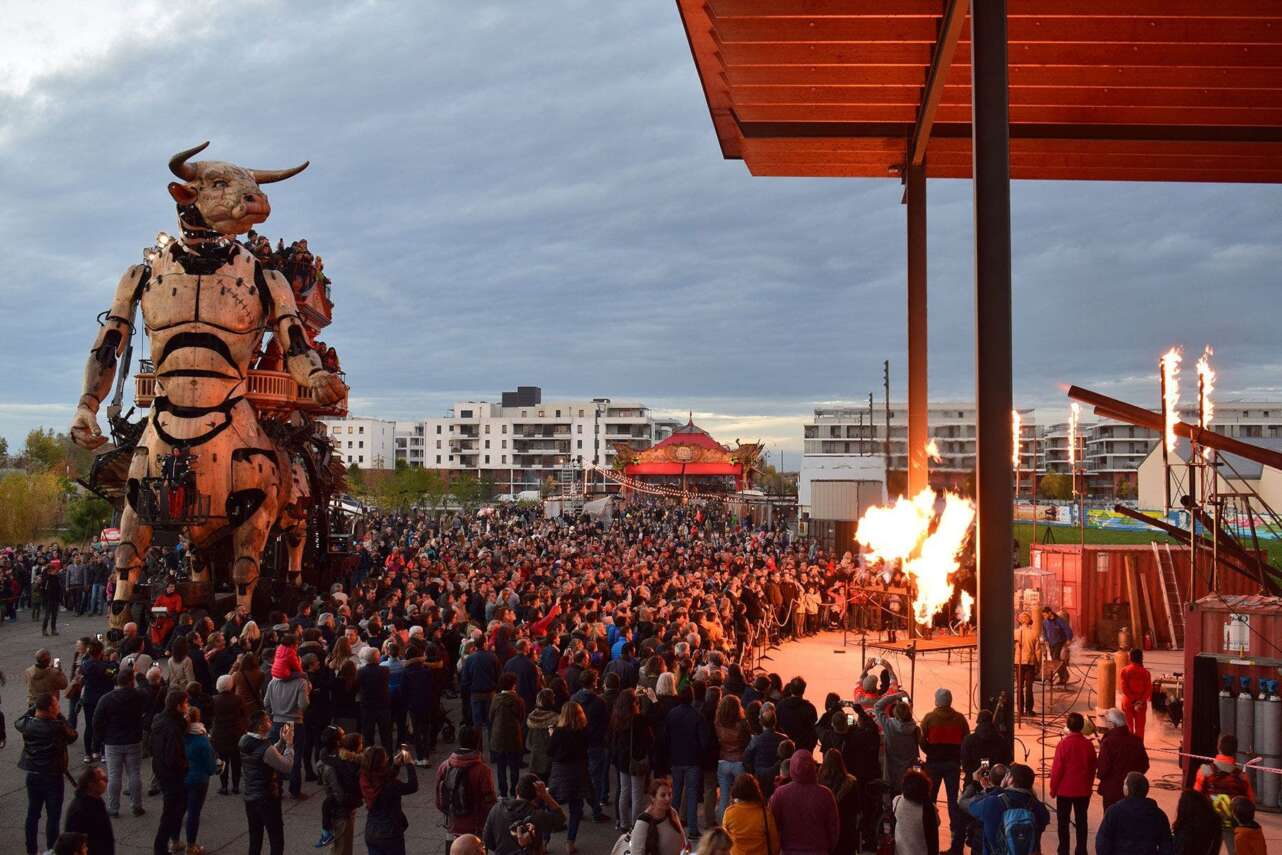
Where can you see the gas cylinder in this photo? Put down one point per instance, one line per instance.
(1246, 727)
(1121, 658)
(1268, 741)
(1106, 683)
(1228, 712)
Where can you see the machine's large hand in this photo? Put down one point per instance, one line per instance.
(84, 429)
(327, 387)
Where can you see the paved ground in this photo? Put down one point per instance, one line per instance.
(223, 825)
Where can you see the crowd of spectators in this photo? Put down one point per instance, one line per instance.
(552, 673)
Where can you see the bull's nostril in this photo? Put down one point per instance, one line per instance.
(250, 197)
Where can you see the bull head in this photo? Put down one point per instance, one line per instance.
(222, 197)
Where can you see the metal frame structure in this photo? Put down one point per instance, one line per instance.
(1134, 90)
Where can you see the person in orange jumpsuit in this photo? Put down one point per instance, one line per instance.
(1136, 684)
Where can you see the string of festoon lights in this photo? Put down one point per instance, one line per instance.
(658, 489)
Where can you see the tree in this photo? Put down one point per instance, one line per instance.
(436, 488)
(1055, 485)
(467, 490)
(86, 516)
(4, 451)
(356, 480)
(30, 503)
(43, 451)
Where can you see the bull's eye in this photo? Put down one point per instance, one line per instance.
(220, 184)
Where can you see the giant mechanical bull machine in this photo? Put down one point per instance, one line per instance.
(229, 456)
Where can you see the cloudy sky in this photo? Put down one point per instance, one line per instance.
(532, 193)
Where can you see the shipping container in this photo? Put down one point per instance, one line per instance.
(1230, 638)
(1097, 601)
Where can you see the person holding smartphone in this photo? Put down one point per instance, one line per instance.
(382, 789)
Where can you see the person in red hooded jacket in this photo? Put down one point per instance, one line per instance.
(1072, 779)
(805, 810)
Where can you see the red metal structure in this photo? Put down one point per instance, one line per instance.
(1131, 90)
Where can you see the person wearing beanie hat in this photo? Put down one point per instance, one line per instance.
(1120, 753)
(942, 732)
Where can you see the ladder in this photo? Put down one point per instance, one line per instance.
(1170, 593)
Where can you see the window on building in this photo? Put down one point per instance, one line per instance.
(349, 428)
(360, 444)
(580, 414)
(580, 428)
(523, 413)
(438, 458)
(487, 443)
(504, 458)
(504, 443)
(504, 429)
(580, 443)
(360, 459)
(438, 428)
(349, 443)
(465, 414)
(542, 414)
(487, 459)
(487, 427)
(361, 429)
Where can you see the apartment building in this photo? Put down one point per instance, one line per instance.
(367, 443)
(522, 440)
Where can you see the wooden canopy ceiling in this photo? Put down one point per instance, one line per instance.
(1125, 90)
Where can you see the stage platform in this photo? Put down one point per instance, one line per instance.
(925, 645)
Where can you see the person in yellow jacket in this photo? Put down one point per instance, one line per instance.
(1028, 656)
(748, 821)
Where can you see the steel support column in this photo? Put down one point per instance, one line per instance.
(993, 363)
(915, 197)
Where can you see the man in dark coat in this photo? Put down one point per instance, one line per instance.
(118, 724)
(797, 716)
(45, 737)
(1120, 753)
(169, 765)
(687, 737)
(1135, 825)
(87, 813)
(527, 673)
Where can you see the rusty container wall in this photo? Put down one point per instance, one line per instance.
(1095, 575)
(1205, 641)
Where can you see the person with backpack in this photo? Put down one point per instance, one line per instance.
(1222, 780)
(465, 785)
(534, 807)
(658, 828)
(1072, 779)
(985, 781)
(1135, 825)
(1013, 817)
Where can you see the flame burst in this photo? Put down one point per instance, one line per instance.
(1171, 401)
(967, 604)
(1014, 434)
(932, 450)
(1205, 386)
(902, 532)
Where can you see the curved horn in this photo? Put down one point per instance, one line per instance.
(267, 176)
(179, 166)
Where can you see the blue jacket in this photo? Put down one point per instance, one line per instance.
(527, 678)
(598, 714)
(201, 765)
(990, 808)
(1057, 631)
(687, 737)
(480, 673)
(549, 659)
(1134, 827)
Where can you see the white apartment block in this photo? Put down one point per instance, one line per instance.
(861, 432)
(367, 443)
(522, 440)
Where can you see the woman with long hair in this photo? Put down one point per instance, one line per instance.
(1197, 826)
(343, 693)
(251, 638)
(748, 821)
(916, 817)
(845, 789)
(539, 725)
(181, 670)
(249, 681)
(631, 739)
(659, 820)
(568, 751)
(733, 733)
(381, 788)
